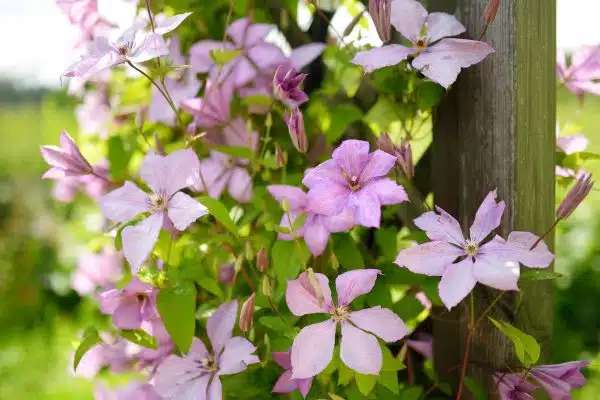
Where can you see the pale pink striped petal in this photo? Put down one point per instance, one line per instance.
(360, 350)
(312, 350)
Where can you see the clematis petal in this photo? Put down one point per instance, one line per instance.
(168, 174)
(568, 372)
(360, 350)
(441, 25)
(381, 57)
(256, 34)
(200, 54)
(352, 284)
(301, 297)
(170, 23)
(198, 350)
(496, 272)
(237, 31)
(183, 210)
(339, 223)
(304, 386)
(408, 17)
(285, 383)
(312, 349)
(324, 173)
(283, 359)
(293, 194)
(139, 240)
(456, 283)
(487, 218)
(327, 199)
(109, 300)
(215, 390)
(430, 258)
(441, 227)
(124, 203)
(365, 206)
(220, 325)
(381, 322)
(352, 156)
(266, 56)
(316, 236)
(304, 55)
(573, 143)
(236, 356)
(517, 248)
(175, 375)
(240, 185)
(379, 163)
(153, 46)
(555, 387)
(388, 191)
(128, 314)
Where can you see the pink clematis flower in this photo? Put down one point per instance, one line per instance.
(166, 176)
(285, 383)
(180, 87)
(254, 54)
(85, 16)
(152, 358)
(513, 387)
(94, 115)
(286, 86)
(441, 62)
(463, 262)
(131, 305)
(196, 375)
(312, 349)
(214, 109)
(570, 144)
(354, 179)
(558, 380)
(583, 75)
(66, 160)
(133, 391)
(96, 270)
(134, 45)
(317, 227)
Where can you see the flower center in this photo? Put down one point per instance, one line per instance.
(158, 201)
(209, 363)
(352, 181)
(471, 248)
(420, 44)
(339, 313)
(123, 50)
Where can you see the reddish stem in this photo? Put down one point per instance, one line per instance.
(463, 371)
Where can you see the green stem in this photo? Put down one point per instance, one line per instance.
(295, 237)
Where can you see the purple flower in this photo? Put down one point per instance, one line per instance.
(286, 86)
(513, 387)
(212, 110)
(295, 123)
(254, 54)
(575, 196)
(196, 375)
(94, 114)
(96, 270)
(180, 88)
(583, 73)
(285, 383)
(133, 391)
(353, 179)
(85, 16)
(131, 305)
(495, 263)
(422, 344)
(558, 380)
(568, 145)
(134, 45)
(440, 62)
(312, 349)
(66, 160)
(166, 176)
(316, 228)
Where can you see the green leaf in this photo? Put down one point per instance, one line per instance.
(476, 388)
(586, 155)
(389, 380)
(390, 363)
(428, 95)
(210, 285)
(365, 383)
(347, 252)
(119, 235)
(413, 393)
(341, 118)
(222, 57)
(257, 99)
(140, 337)
(90, 339)
(118, 157)
(285, 260)
(299, 222)
(236, 151)
(177, 308)
(385, 238)
(220, 212)
(382, 114)
(345, 375)
(167, 249)
(539, 275)
(526, 347)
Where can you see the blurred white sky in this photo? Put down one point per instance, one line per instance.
(36, 40)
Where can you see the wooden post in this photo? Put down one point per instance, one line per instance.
(496, 129)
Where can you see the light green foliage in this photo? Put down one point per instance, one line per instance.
(526, 347)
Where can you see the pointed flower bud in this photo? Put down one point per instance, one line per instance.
(279, 156)
(262, 260)
(315, 285)
(226, 273)
(295, 124)
(266, 287)
(405, 159)
(286, 86)
(575, 196)
(385, 143)
(381, 13)
(65, 160)
(489, 14)
(247, 314)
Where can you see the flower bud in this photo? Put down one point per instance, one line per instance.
(160, 149)
(405, 160)
(575, 196)
(226, 274)
(65, 160)
(266, 287)
(489, 14)
(286, 86)
(280, 156)
(249, 251)
(385, 143)
(262, 260)
(295, 124)
(315, 285)
(247, 314)
(381, 13)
